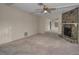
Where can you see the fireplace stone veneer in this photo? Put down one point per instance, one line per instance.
(70, 25)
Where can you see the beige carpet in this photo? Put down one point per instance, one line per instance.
(41, 44)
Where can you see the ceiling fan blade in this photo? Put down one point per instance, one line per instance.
(51, 8)
(38, 9)
(49, 11)
(40, 4)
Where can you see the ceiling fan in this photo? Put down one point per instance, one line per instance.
(45, 9)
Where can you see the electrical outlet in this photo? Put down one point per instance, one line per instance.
(25, 34)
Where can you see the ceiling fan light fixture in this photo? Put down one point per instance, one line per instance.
(45, 11)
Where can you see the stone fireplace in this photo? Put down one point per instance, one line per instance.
(70, 25)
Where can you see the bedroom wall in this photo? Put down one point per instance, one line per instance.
(14, 23)
(43, 24)
(45, 19)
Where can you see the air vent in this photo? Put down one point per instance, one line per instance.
(25, 34)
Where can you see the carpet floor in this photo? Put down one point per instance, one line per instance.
(40, 44)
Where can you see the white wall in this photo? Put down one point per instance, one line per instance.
(44, 22)
(13, 24)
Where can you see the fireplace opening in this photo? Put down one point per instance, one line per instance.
(67, 31)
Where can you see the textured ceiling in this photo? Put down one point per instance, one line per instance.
(31, 7)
